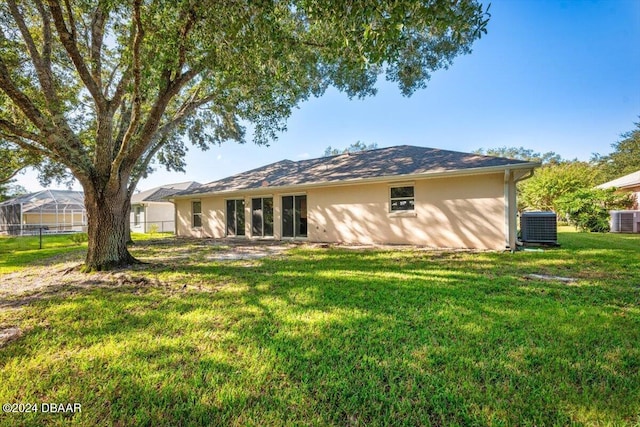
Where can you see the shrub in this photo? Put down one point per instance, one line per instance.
(153, 229)
(79, 238)
(588, 209)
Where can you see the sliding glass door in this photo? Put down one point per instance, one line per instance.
(235, 217)
(262, 217)
(294, 216)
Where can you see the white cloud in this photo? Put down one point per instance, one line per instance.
(303, 156)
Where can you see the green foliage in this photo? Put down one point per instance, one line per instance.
(78, 238)
(105, 89)
(625, 157)
(521, 153)
(588, 209)
(552, 181)
(9, 190)
(334, 337)
(14, 159)
(353, 148)
(153, 229)
(207, 67)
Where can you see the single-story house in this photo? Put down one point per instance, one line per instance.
(628, 183)
(55, 211)
(150, 207)
(397, 195)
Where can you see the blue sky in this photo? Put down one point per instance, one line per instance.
(559, 76)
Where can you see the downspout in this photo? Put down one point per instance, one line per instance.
(511, 210)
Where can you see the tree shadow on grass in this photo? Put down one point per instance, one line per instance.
(337, 338)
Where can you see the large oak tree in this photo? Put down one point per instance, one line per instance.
(104, 87)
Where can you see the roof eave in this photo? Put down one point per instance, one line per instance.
(373, 180)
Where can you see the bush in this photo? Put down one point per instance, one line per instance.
(588, 209)
(79, 238)
(153, 229)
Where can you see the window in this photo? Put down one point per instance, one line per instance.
(136, 215)
(262, 217)
(235, 217)
(294, 216)
(196, 214)
(402, 199)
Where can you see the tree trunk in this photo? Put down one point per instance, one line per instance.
(108, 223)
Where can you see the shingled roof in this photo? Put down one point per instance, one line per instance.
(158, 194)
(383, 162)
(631, 180)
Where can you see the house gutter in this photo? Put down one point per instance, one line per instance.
(526, 167)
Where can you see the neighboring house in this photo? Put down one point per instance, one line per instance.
(150, 207)
(55, 211)
(397, 195)
(627, 183)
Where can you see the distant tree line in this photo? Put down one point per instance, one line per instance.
(568, 187)
(353, 148)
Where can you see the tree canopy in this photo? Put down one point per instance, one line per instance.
(353, 148)
(625, 157)
(552, 181)
(104, 87)
(13, 160)
(521, 153)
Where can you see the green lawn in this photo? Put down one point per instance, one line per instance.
(17, 253)
(336, 337)
(20, 252)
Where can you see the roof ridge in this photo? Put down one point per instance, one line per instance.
(394, 161)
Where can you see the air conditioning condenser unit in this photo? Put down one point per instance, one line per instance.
(625, 221)
(539, 227)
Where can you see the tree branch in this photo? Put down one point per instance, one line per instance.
(23, 102)
(182, 38)
(7, 126)
(121, 88)
(97, 37)
(136, 101)
(43, 73)
(68, 39)
(47, 37)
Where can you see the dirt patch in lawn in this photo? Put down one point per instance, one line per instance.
(9, 334)
(59, 275)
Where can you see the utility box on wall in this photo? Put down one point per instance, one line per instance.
(539, 227)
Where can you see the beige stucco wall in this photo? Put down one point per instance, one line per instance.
(456, 212)
(461, 212)
(213, 218)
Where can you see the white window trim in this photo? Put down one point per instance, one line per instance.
(193, 214)
(403, 213)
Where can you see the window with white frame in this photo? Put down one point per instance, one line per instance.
(137, 211)
(196, 214)
(402, 198)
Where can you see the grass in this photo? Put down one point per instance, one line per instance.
(338, 337)
(20, 252)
